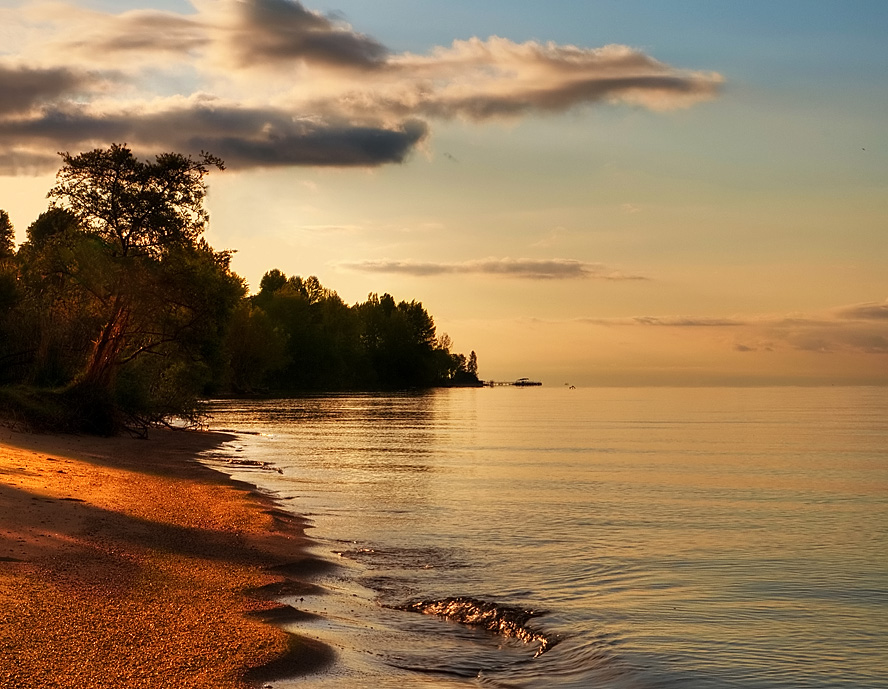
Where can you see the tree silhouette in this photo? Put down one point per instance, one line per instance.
(141, 224)
(7, 236)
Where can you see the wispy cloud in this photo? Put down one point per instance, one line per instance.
(860, 328)
(137, 34)
(272, 82)
(685, 322)
(526, 268)
(551, 238)
(869, 311)
(498, 78)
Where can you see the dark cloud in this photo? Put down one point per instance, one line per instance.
(341, 146)
(284, 30)
(243, 137)
(64, 127)
(18, 162)
(535, 269)
(22, 89)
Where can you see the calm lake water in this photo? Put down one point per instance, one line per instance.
(662, 537)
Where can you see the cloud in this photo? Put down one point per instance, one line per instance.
(553, 237)
(243, 137)
(684, 322)
(135, 33)
(237, 33)
(859, 328)
(499, 79)
(25, 88)
(669, 321)
(280, 31)
(870, 311)
(316, 144)
(534, 269)
(288, 85)
(871, 343)
(830, 337)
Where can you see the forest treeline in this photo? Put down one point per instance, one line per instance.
(115, 312)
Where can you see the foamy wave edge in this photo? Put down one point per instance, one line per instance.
(505, 620)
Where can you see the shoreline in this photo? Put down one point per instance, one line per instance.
(127, 562)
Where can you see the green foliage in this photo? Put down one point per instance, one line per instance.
(121, 304)
(60, 269)
(255, 347)
(115, 312)
(134, 206)
(50, 224)
(327, 345)
(317, 330)
(399, 340)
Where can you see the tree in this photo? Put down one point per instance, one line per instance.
(255, 347)
(472, 366)
(377, 344)
(52, 223)
(11, 352)
(140, 213)
(119, 260)
(319, 330)
(271, 282)
(399, 340)
(136, 207)
(58, 315)
(7, 236)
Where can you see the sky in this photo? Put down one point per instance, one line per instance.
(606, 192)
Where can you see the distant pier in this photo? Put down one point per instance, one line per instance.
(520, 383)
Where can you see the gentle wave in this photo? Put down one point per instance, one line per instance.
(505, 620)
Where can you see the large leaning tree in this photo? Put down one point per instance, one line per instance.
(158, 296)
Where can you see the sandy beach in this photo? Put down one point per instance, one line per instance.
(125, 563)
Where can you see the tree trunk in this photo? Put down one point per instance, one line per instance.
(100, 372)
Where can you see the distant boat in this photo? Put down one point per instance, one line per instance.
(525, 382)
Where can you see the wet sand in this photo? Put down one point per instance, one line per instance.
(126, 563)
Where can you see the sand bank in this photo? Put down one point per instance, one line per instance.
(125, 563)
